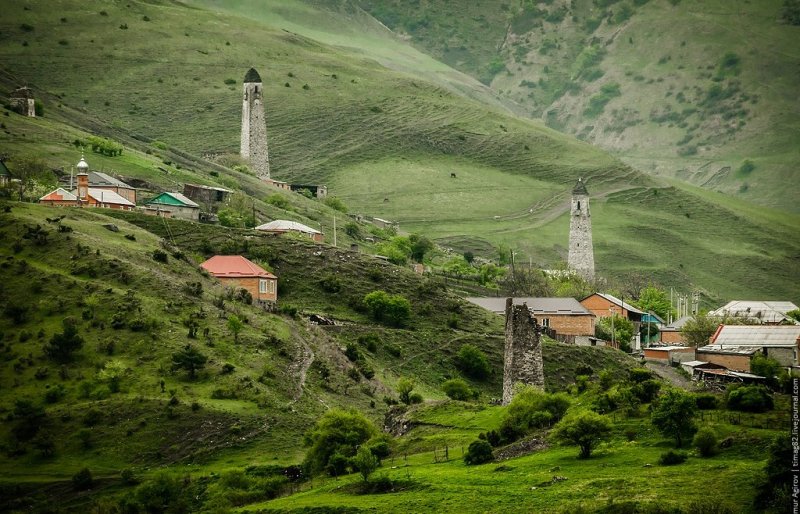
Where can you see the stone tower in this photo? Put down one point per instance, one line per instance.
(254, 125)
(581, 251)
(522, 358)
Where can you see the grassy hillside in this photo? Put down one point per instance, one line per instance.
(382, 139)
(693, 89)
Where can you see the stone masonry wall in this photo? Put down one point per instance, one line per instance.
(581, 250)
(523, 350)
(254, 129)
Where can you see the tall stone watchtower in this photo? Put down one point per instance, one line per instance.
(581, 251)
(254, 125)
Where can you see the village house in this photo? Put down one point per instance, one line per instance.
(103, 181)
(85, 195)
(604, 305)
(757, 312)
(5, 174)
(567, 319)
(672, 333)
(284, 226)
(177, 205)
(733, 346)
(237, 272)
(207, 196)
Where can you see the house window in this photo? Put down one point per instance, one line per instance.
(272, 287)
(546, 322)
(262, 286)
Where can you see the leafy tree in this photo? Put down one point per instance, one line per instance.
(112, 373)
(705, 440)
(457, 389)
(278, 200)
(420, 245)
(619, 330)
(751, 398)
(479, 452)
(30, 418)
(674, 414)
(29, 172)
(365, 462)
(488, 273)
(392, 309)
(794, 314)
(458, 266)
(473, 362)
(337, 432)
(62, 345)
(775, 490)
(585, 429)
(469, 257)
(531, 408)
(765, 366)
(698, 330)
(404, 388)
(353, 230)
(82, 480)
(235, 325)
(189, 359)
(335, 203)
(653, 299)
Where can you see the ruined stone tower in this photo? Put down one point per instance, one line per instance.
(254, 125)
(581, 252)
(522, 358)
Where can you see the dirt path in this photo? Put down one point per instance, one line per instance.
(301, 364)
(669, 374)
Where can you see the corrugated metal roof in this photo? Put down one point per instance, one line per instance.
(766, 311)
(693, 364)
(103, 196)
(733, 350)
(669, 348)
(168, 198)
(233, 266)
(286, 225)
(757, 335)
(212, 188)
(97, 178)
(678, 323)
(537, 305)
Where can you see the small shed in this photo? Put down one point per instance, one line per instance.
(5, 174)
(239, 272)
(691, 367)
(176, 204)
(669, 354)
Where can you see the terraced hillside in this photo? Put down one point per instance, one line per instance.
(691, 90)
(385, 141)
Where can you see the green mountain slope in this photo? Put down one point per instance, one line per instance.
(693, 89)
(384, 140)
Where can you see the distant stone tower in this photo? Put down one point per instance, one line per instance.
(254, 125)
(522, 358)
(581, 251)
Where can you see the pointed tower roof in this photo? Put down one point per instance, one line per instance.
(580, 188)
(252, 76)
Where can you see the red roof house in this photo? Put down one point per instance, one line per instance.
(238, 272)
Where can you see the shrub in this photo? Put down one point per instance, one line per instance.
(370, 341)
(404, 388)
(457, 389)
(638, 375)
(160, 256)
(752, 398)
(473, 362)
(746, 167)
(705, 440)
(394, 310)
(334, 439)
(673, 415)
(62, 345)
(230, 82)
(352, 352)
(335, 203)
(479, 452)
(365, 462)
(672, 457)
(531, 408)
(82, 480)
(189, 359)
(706, 401)
(585, 430)
(331, 283)
(278, 200)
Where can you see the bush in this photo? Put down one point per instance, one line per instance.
(585, 430)
(457, 389)
(531, 408)
(673, 415)
(61, 346)
(672, 457)
(394, 310)
(334, 439)
(82, 480)
(706, 401)
(160, 256)
(752, 398)
(705, 440)
(473, 362)
(479, 452)
(331, 283)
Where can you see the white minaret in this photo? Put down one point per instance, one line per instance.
(581, 251)
(83, 180)
(254, 125)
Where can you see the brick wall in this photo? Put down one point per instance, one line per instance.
(568, 325)
(732, 362)
(672, 336)
(251, 284)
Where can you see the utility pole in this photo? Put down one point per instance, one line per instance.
(613, 338)
(334, 230)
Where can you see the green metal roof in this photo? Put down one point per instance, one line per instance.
(4, 170)
(166, 199)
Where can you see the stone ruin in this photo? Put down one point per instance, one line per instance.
(22, 102)
(522, 359)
